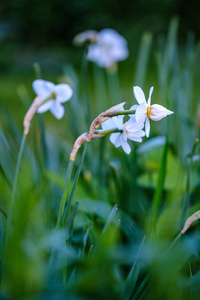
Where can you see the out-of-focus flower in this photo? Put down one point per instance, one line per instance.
(130, 130)
(52, 96)
(146, 111)
(110, 47)
(85, 38)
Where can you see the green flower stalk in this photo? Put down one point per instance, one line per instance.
(27, 121)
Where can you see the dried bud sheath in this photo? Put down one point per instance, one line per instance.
(190, 220)
(30, 113)
(80, 140)
(104, 116)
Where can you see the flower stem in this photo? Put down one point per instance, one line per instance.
(108, 131)
(75, 182)
(62, 203)
(15, 183)
(64, 194)
(174, 242)
(125, 112)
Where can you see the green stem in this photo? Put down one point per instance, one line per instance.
(62, 214)
(75, 182)
(62, 203)
(125, 112)
(108, 131)
(15, 182)
(64, 194)
(17, 166)
(174, 242)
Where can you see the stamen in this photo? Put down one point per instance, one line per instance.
(149, 112)
(53, 95)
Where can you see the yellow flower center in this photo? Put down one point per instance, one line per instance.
(149, 111)
(53, 95)
(125, 128)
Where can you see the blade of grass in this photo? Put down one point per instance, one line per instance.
(141, 288)
(142, 61)
(11, 208)
(162, 173)
(69, 200)
(133, 275)
(62, 203)
(160, 183)
(110, 218)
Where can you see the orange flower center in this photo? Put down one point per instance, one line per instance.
(149, 111)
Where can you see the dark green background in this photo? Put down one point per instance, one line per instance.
(56, 22)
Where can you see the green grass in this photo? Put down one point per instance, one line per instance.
(126, 210)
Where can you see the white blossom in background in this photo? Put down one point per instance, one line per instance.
(130, 130)
(85, 38)
(52, 96)
(110, 47)
(146, 111)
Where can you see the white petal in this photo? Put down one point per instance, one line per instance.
(150, 93)
(133, 107)
(147, 127)
(115, 139)
(46, 106)
(109, 124)
(125, 146)
(43, 87)
(158, 112)
(64, 92)
(139, 94)
(136, 136)
(118, 121)
(132, 125)
(57, 110)
(141, 113)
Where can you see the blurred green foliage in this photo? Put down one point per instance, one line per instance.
(50, 22)
(113, 244)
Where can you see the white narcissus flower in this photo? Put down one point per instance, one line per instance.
(130, 130)
(146, 111)
(110, 47)
(52, 96)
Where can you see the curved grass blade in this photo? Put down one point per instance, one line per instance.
(133, 275)
(110, 218)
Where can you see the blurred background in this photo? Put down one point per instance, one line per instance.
(35, 30)
(156, 187)
(42, 31)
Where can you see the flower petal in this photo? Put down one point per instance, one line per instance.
(147, 127)
(64, 92)
(139, 94)
(125, 145)
(118, 121)
(133, 107)
(150, 93)
(43, 88)
(115, 139)
(136, 137)
(46, 106)
(109, 48)
(57, 110)
(109, 124)
(132, 125)
(141, 113)
(158, 112)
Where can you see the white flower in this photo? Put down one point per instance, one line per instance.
(52, 95)
(110, 48)
(130, 130)
(85, 38)
(146, 111)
